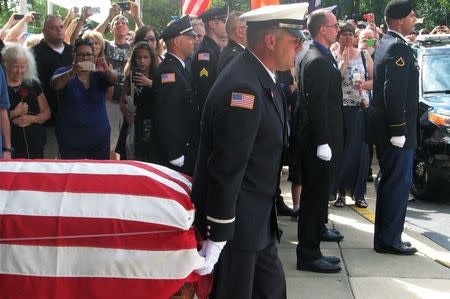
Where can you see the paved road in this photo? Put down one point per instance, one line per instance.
(428, 217)
(432, 219)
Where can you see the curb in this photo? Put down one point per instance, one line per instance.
(427, 248)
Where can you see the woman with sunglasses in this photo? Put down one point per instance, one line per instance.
(82, 127)
(148, 34)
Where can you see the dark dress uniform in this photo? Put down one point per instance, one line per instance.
(393, 112)
(176, 116)
(243, 140)
(319, 120)
(204, 68)
(232, 50)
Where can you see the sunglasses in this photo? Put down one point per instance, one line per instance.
(150, 38)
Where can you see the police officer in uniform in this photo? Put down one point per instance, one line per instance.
(237, 39)
(206, 58)
(392, 126)
(177, 111)
(243, 141)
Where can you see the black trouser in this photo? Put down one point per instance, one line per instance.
(317, 177)
(246, 274)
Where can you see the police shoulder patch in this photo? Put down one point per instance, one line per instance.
(203, 72)
(203, 56)
(400, 62)
(242, 100)
(168, 78)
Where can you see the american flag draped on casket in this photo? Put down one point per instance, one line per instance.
(87, 229)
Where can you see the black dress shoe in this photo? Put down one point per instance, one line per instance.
(331, 259)
(334, 231)
(283, 209)
(318, 265)
(329, 236)
(406, 243)
(399, 249)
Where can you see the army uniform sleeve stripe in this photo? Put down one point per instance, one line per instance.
(220, 221)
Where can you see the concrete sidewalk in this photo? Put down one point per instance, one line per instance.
(365, 274)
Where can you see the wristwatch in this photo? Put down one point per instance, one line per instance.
(8, 149)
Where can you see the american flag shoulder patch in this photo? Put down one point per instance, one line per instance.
(242, 100)
(168, 78)
(203, 56)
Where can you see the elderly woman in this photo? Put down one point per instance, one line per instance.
(29, 108)
(356, 67)
(82, 127)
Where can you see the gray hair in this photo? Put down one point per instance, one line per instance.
(14, 51)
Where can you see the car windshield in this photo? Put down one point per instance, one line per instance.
(436, 73)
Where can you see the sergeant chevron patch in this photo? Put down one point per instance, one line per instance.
(204, 72)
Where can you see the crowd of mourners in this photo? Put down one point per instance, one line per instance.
(74, 95)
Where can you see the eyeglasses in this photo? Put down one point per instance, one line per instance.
(336, 26)
(150, 38)
(84, 55)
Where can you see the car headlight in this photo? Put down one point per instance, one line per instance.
(440, 117)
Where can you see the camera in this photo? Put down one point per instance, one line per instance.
(18, 16)
(370, 42)
(134, 71)
(93, 10)
(36, 16)
(124, 5)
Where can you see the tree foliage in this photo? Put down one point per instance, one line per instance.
(159, 12)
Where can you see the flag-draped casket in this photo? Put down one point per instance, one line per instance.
(87, 229)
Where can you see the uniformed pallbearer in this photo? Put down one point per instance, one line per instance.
(392, 126)
(177, 112)
(243, 140)
(206, 58)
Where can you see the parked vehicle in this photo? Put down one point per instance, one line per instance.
(431, 172)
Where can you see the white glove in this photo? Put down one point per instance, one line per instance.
(178, 161)
(211, 251)
(398, 141)
(324, 152)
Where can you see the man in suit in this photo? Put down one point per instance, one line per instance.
(242, 144)
(392, 126)
(177, 112)
(237, 39)
(319, 140)
(206, 57)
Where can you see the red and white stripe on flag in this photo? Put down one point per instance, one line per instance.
(94, 229)
(195, 7)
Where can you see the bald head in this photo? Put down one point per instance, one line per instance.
(236, 29)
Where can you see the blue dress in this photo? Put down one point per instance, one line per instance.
(82, 126)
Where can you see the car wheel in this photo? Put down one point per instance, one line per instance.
(420, 188)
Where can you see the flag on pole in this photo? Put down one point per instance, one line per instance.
(260, 3)
(95, 229)
(194, 7)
